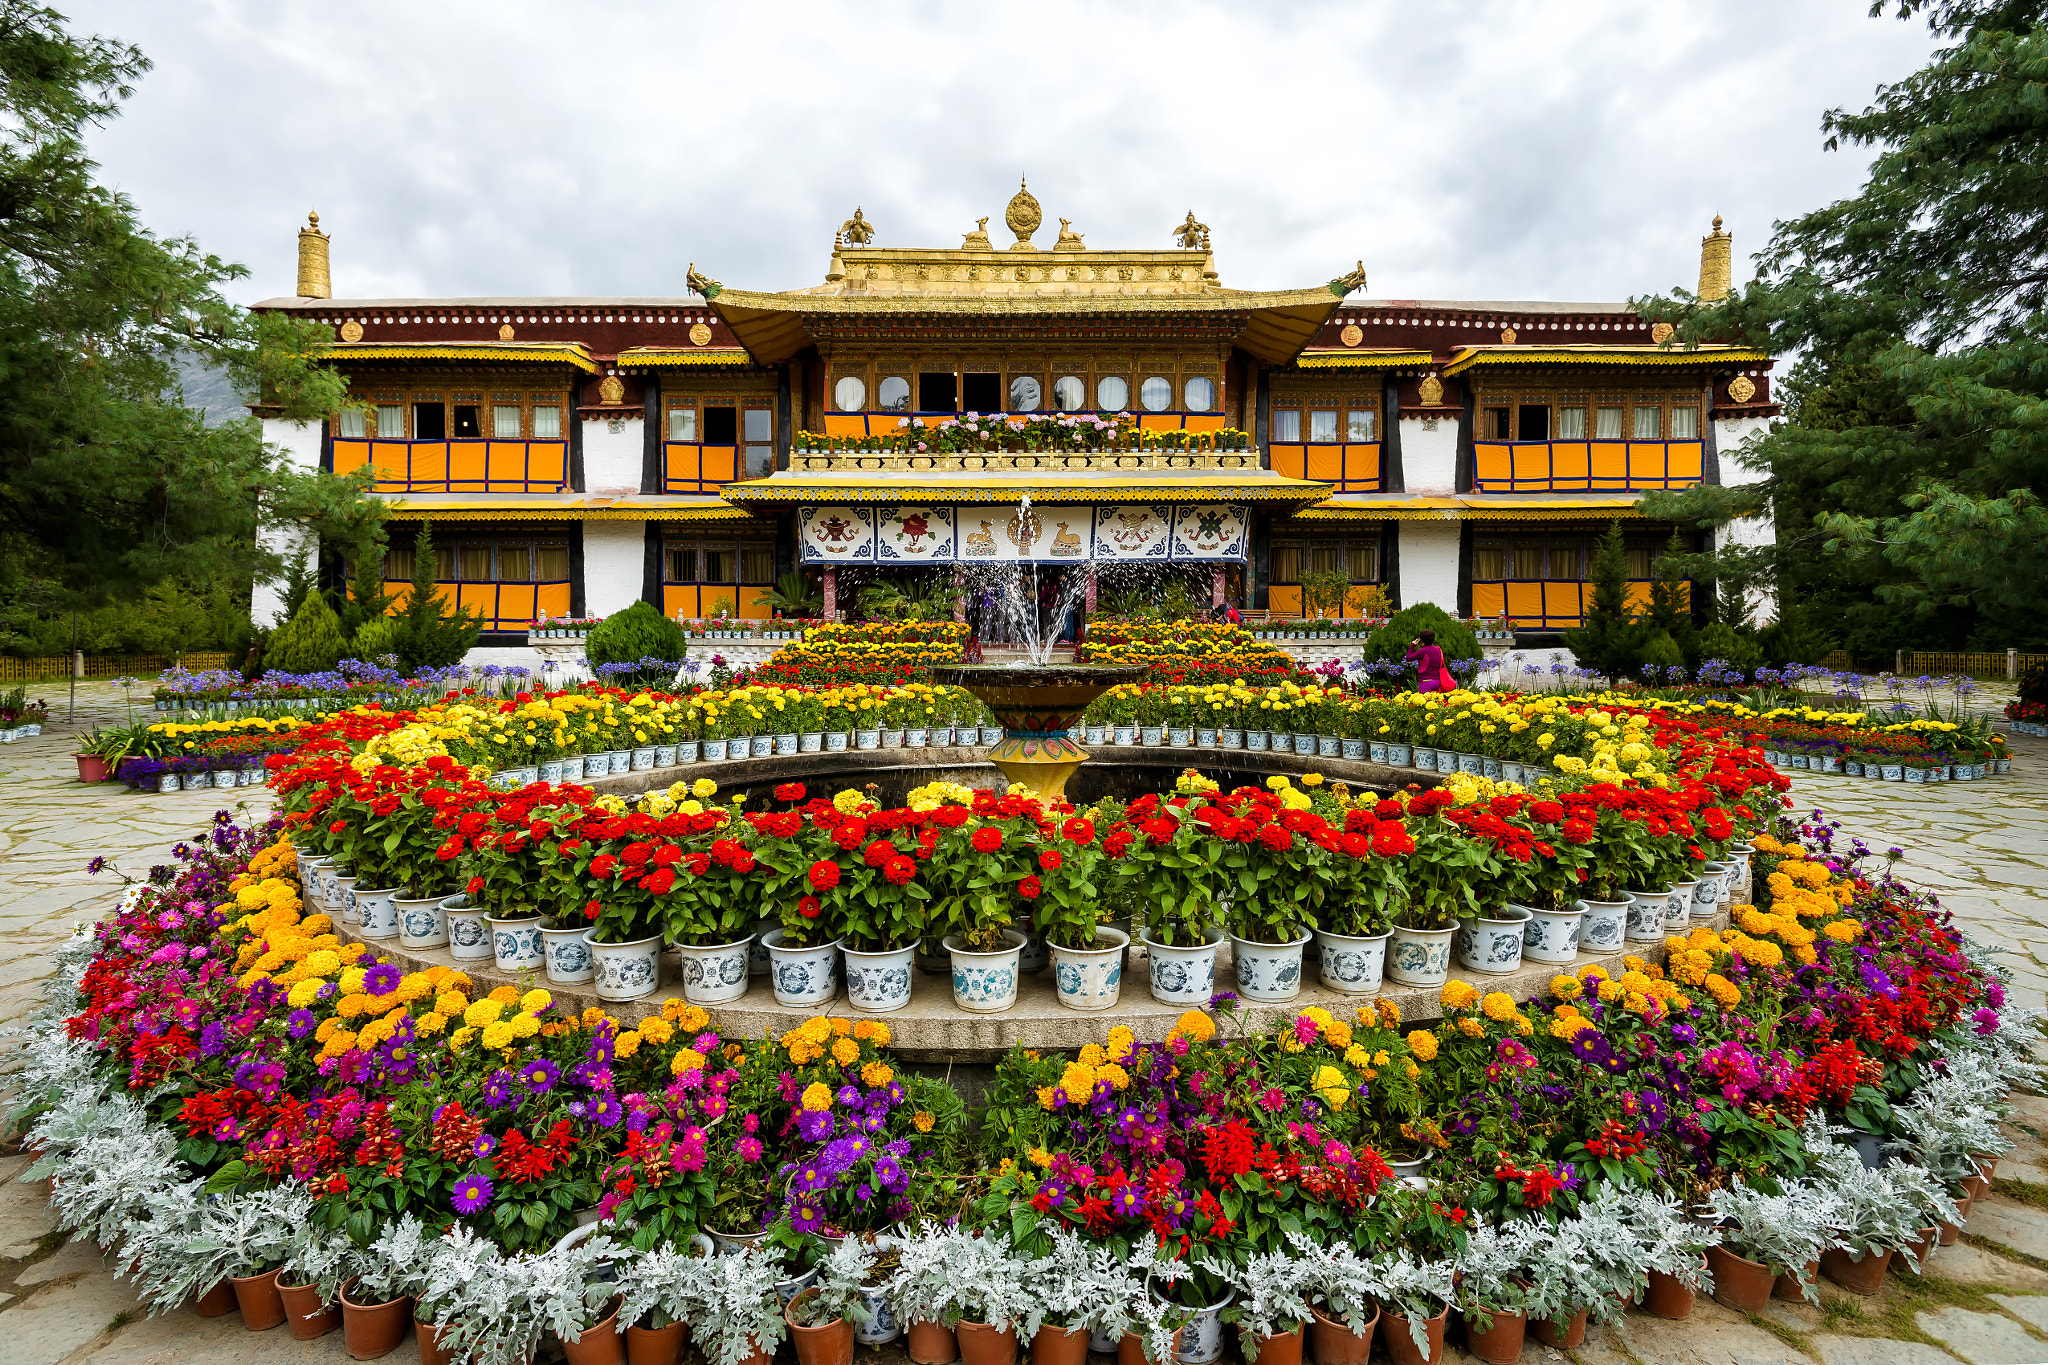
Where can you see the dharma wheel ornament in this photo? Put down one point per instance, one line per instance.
(1023, 217)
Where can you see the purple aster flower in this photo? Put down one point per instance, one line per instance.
(889, 1172)
(849, 1096)
(807, 1215)
(540, 1075)
(382, 979)
(213, 1039)
(815, 1125)
(605, 1111)
(484, 1145)
(810, 1179)
(472, 1192)
(498, 1090)
(299, 1023)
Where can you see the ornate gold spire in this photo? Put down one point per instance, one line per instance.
(1023, 216)
(1717, 258)
(314, 280)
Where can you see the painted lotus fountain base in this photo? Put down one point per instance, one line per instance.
(1037, 706)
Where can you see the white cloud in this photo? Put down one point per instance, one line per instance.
(1495, 150)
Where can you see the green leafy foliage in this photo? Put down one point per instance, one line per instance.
(639, 632)
(424, 637)
(1609, 640)
(310, 642)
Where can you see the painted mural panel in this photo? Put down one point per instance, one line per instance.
(914, 534)
(1133, 532)
(1209, 530)
(836, 534)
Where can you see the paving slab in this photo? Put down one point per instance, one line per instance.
(1968, 1264)
(47, 1327)
(2010, 1223)
(76, 1257)
(1983, 1338)
(1835, 1350)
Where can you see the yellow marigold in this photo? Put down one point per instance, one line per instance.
(302, 994)
(1118, 1078)
(1498, 1006)
(1357, 1056)
(327, 1029)
(413, 987)
(1610, 991)
(351, 952)
(817, 1096)
(593, 1016)
(1471, 1027)
(352, 979)
(451, 1002)
(1566, 987)
(686, 1059)
(1091, 1055)
(523, 1025)
(354, 1006)
(1331, 1084)
(841, 1028)
(1122, 1043)
(482, 1012)
(430, 1023)
(1388, 1011)
(1841, 931)
(498, 1035)
(1195, 1026)
(459, 1039)
(1592, 972)
(1078, 1082)
(506, 995)
(656, 1029)
(845, 1051)
(1566, 1026)
(921, 1121)
(1458, 995)
(1048, 1096)
(802, 1052)
(337, 1043)
(1422, 1044)
(534, 1001)
(1337, 1033)
(1039, 1157)
(877, 1074)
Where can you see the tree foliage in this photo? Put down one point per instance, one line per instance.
(1907, 479)
(1608, 639)
(108, 481)
(424, 637)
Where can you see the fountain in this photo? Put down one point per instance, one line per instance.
(1035, 700)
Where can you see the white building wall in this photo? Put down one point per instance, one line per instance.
(1429, 458)
(613, 457)
(1731, 438)
(300, 442)
(1429, 561)
(614, 563)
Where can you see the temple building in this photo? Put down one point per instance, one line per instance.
(576, 454)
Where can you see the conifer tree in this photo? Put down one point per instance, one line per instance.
(1609, 640)
(1671, 596)
(365, 599)
(310, 642)
(425, 638)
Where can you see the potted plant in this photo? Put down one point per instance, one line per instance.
(925, 1292)
(447, 1273)
(1076, 1291)
(510, 1302)
(1271, 874)
(1674, 1252)
(1343, 1291)
(1764, 1236)
(1589, 1267)
(1442, 876)
(1417, 1297)
(376, 1302)
(311, 1277)
(877, 912)
(822, 1316)
(710, 915)
(1493, 1276)
(1271, 1307)
(655, 1301)
(988, 870)
(1071, 911)
(1166, 869)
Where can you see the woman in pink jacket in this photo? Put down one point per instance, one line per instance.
(1429, 663)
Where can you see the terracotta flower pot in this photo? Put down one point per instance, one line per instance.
(1501, 1342)
(1284, 1349)
(981, 1344)
(1337, 1344)
(91, 768)
(830, 1344)
(1130, 1349)
(257, 1297)
(1950, 1232)
(432, 1352)
(1975, 1185)
(371, 1330)
(1401, 1343)
(306, 1314)
(1564, 1338)
(216, 1301)
(1921, 1250)
(932, 1343)
(655, 1345)
(602, 1343)
(1667, 1297)
(1059, 1346)
(1741, 1284)
(1857, 1274)
(1792, 1286)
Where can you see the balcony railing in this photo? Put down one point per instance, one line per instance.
(1585, 466)
(458, 466)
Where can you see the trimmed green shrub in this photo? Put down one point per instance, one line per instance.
(1663, 651)
(1390, 641)
(626, 637)
(375, 639)
(1720, 641)
(310, 642)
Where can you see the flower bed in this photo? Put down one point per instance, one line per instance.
(349, 683)
(1180, 652)
(872, 652)
(222, 1088)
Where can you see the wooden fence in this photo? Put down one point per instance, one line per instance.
(144, 667)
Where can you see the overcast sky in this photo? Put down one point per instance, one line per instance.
(1565, 150)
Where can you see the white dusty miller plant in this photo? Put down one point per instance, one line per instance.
(1671, 1243)
(1782, 1232)
(1272, 1297)
(1079, 1285)
(1495, 1269)
(733, 1309)
(1343, 1283)
(836, 1296)
(1417, 1290)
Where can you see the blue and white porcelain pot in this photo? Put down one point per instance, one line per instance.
(1255, 741)
(627, 971)
(1304, 747)
(715, 974)
(572, 768)
(803, 977)
(1604, 927)
(985, 983)
(1230, 739)
(422, 923)
(1091, 978)
(761, 746)
(1492, 944)
(759, 962)
(686, 752)
(881, 1326)
(1679, 912)
(1201, 1340)
(714, 749)
(345, 894)
(469, 938)
(665, 755)
(835, 741)
(878, 983)
(991, 735)
(1184, 976)
(377, 912)
(568, 957)
(1552, 936)
(1376, 751)
(1268, 972)
(312, 887)
(551, 771)
(1420, 957)
(1355, 750)
(1646, 913)
(1352, 964)
(1400, 755)
(515, 943)
(643, 758)
(1151, 736)
(1425, 759)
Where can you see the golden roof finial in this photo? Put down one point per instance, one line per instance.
(314, 280)
(1023, 217)
(1717, 264)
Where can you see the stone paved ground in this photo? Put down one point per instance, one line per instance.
(1982, 848)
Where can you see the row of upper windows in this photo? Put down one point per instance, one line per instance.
(721, 424)
(498, 560)
(436, 421)
(1532, 558)
(718, 561)
(944, 391)
(1358, 560)
(1545, 422)
(1324, 424)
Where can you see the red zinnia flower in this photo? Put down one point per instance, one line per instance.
(824, 874)
(987, 840)
(1029, 888)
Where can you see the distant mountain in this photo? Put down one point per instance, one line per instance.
(206, 388)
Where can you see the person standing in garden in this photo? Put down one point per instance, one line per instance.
(1429, 663)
